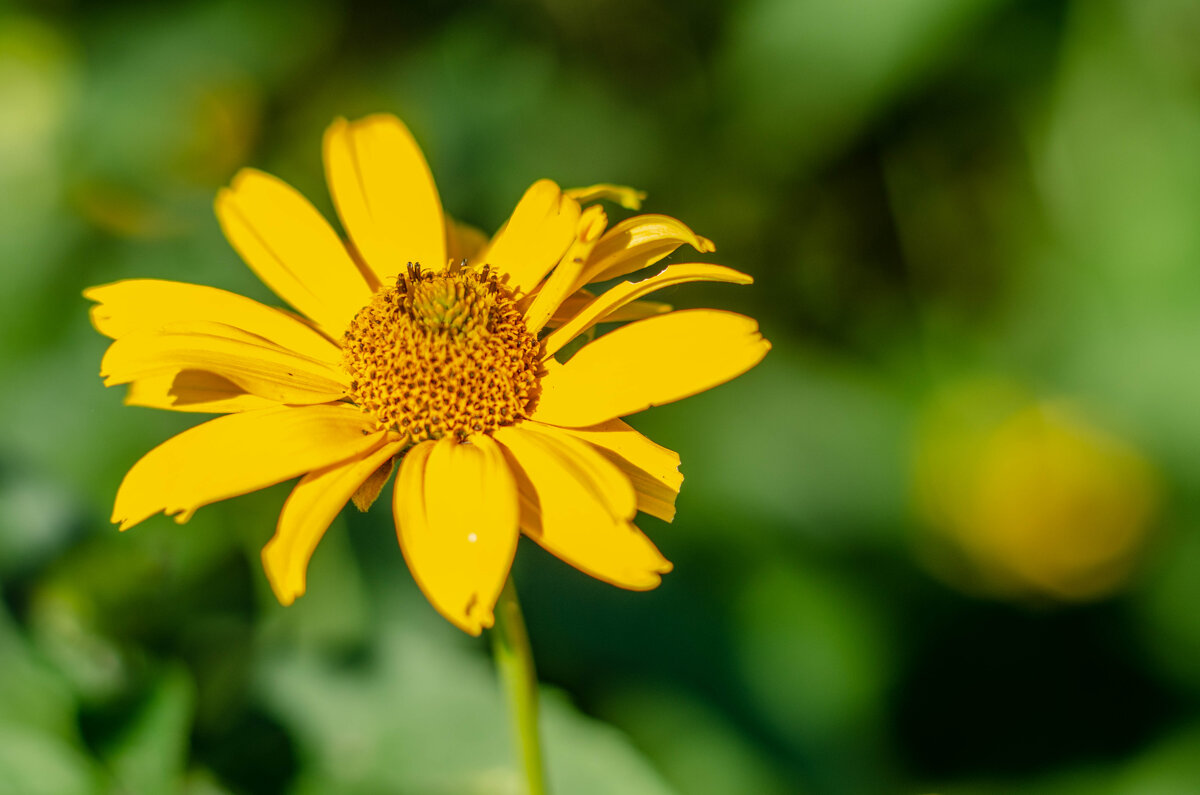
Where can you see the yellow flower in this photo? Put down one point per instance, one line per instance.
(421, 341)
(1028, 497)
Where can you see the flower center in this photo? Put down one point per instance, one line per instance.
(442, 353)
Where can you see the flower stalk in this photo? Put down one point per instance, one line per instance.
(514, 662)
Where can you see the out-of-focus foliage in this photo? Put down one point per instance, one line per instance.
(1033, 498)
(945, 538)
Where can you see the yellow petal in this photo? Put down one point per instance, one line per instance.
(292, 249)
(556, 288)
(652, 497)
(535, 237)
(628, 198)
(637, 310)
(608, 485)
(385, 195)
(255, 365)
(626, 292)
(564, 510)
(648, 363)
(638, 243)
(311, 507)
(463, 241)
(148, 304)
(652, 468)
(237, 454)
(192, 390)
(456, 518)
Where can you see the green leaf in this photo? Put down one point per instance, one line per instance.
(36, 763)
(425, 715)
(151, 754)
(32, 693)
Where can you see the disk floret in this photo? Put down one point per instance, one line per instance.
(442, 353)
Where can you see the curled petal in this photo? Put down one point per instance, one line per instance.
(637, 310)
(608, 302)
(556, 288)
(629, 198)
(638, 243)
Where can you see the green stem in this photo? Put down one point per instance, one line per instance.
(514, 660)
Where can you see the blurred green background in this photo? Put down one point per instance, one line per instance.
(943, 539)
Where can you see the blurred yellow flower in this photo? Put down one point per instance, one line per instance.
(421, 340)
(1032, 498)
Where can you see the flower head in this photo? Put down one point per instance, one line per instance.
(420, 342)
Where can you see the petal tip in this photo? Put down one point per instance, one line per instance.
(644, 581)
(275, 567)
(244, 180)
(245, 175)
(632, 200)
(224, 203)
(288, 598)
(381, 117)
(484, 620)
(284, 595)
(335, 130)
(472, 622)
